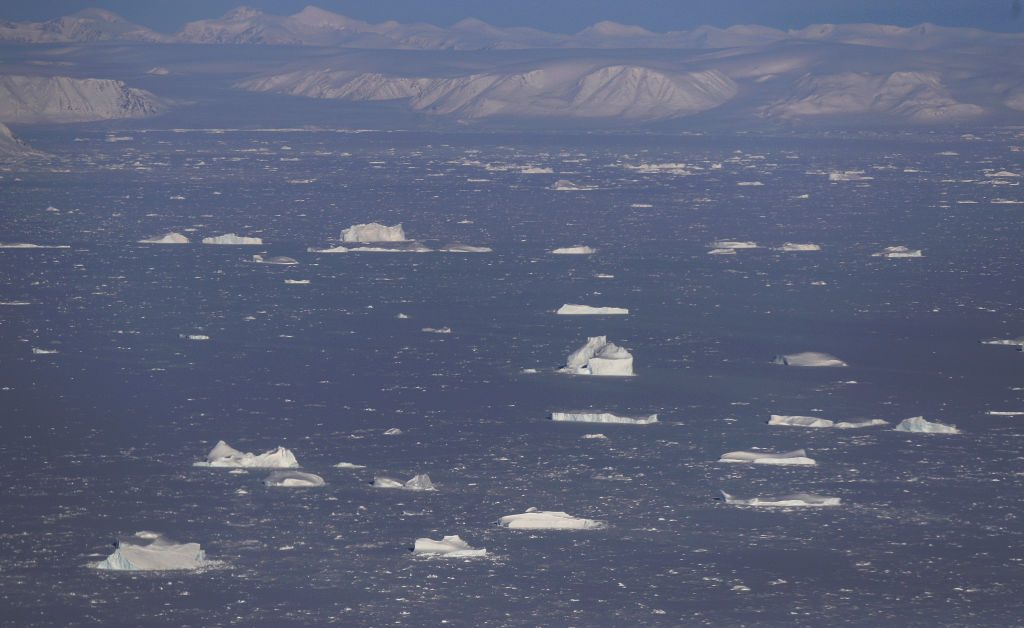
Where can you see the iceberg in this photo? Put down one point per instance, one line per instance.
(28, 245)
(232, 239)
(449, 547)
(919, 424)
(599, 357)
(602, 417)
(1012, 342)
(797, 499)
(224, 455)
(297, 282)
(373, 232)
(336, 249)
(809, 358)
(853, 425)
(294, 479)
(437, 330)
(573, 250)
(534, 519)
(732, 244)
(898, 252)
(168, 238)
(279, 260)
(722, 252)
(790, 247)
(849, 175)
(799, 421)
(465, 248)
(405, 247)
(795, 457)
(419, 482)
(571, 309)
(564, 185)
(151, 551)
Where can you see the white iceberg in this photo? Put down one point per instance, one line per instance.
(232, 239)
(28, 245)
(401, 247)
(349, 465)
(279, 260)
(336, 249)
(151, 551)
(579, 249)
(449, 547)
(224, 455)
(1011, 342)
(294, 479)
(564, 185)
(809, 358)
(572, 309)
(420, 482)
(795, 457)
(168, 238)
(534, 519)
(437, 330)
(799, 421)
(373, 232)
(297, 282)
(849, 175)
(898, 252)
(733, 244)
(797, 499)
(41, 351)
(722, 252)
(465, 248)
(791, 247)
(602, 417)
(600, 357)
(853, 425)
(919, 424)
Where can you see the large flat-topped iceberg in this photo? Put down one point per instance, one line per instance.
(809, 358)
(224, 455)
(373, 232)
(151, 551)
(795, 457)
(898, 252)
(420, 482)
(232, 239)
(919, 424)
(599, 357)
(534, 519)
(294, 479)
(449, 547)
(799, 421)
(733, 244)
(792, 247)
(572, 309)
(168, 238)
(602, 417)
(797, 499)
(573, 250)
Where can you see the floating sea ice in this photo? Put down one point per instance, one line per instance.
(797, 499)
(465, 248)
(336, 249)
(151, 551)
(799, 421)
(402, 247)
(849, 175)
(195, 336)
(297, 282)
(224, 455)
(39, 351)
(919, 424)
(809, 358)
(599, 357)
(534, 519)
(594, 437)
(795, 457)
(437, 330)
(294, 479)
(373, 232)
(419, 482)
(852, 425)
(571, 309)
(722, 252)
(26, 245)
(579, 249)
(279, 260)
(1012, 342)
(791, 247)
(167, 238)
(563, 185)
(232, 239)
(733, 244)
(602, 417)
(349, 465)
(449, 547)
(394, 431)
(898, 252)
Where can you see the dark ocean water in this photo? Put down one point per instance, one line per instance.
(99, 438)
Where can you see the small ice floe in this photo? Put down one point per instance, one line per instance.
(465, 248)
(604, 276)
(722, 252)
(41, 351)
(599, 357)
(919, 424)
(578, 249)
(853, 425)
(277, 260)
(168, 238)
(793, 247)
(563, 185)
(849, 175)
(398, 247)
(602, 417)
(448, 547)
(809, 358)
(373, 232)
(534, 519)
(572, 309)
(795, 457)
(535, 170)
(294, 479)
(594, 437)
(158, 71)
(336, 249)
(194, 336)
(797, 499)
(813, 421)
(437, 330)
(401, 316)
(349, 465)
(420, 482)
(749, 184)
(898, 252)
(224, 455)
(297, 282)
(1011, 342)
(27, 245)
(152, 551)
(732, 245)
(232, 240)
(394, 431)
(1004, 413)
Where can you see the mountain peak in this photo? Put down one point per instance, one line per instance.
(614, 29)
(242, 13)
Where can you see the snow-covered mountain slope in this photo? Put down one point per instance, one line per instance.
(87, 25)
(13, 148)
(45, 99)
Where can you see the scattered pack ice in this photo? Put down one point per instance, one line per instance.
(791, 247)
(373, 232)
(336, 249)
(151, 551)
(795, 457)
(419, 482)
(732, 244)
(897, 252)
(224, 455)
(571, 309)
(599, 357)
(168, 238)
(919, 424)
(813, 421)
(279, 260)
(602, 417)
(797, 499)
(465, 248)
(232, 239)
(449, 547)
(534, 519)
(809, 358)
(579, 249)
(294, 479)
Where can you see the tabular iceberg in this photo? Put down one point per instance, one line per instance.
(572, 309)
(573, 250)
(898, 252)
(809, 358)
(151, 551)
(919, 424)
(733, 244)
(449, 547)
(168, 238)
(224, 455)
(797, 499)
(232, 239)
(419, 482)
(279, 260)
(799, 421)
(294, 479)
(534, 519)
(852, 425)
(599, 357)
(1012, 342)
(795, 457)
(791, 247)
(373, 232)
(602, 417)
(465, 248)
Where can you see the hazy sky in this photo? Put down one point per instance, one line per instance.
(564, 15)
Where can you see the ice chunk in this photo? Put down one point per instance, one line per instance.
(564, 185)
(280, 260)
(419, 482)
(534, 519)
(579, 249)
(795, 457)
(404, 247)
(232, 239)
(797, 499)
(852, 425)
(722, 252)
(897, 252)
(809, 358)
(571, 309)
(600, 357)
(449, 547)
(1012, 342)
(336, 249)
(791, 247)
(373, 232)
(41, 351)
(732, 244)
(28, 245)
(297, 282)
(465, 248)
(799, 421)
(602, 417)
(224, 455)
(151, 551)
(167, 238)
(349, 465)
(294, 479)
(919, 424)
(437, 330)
(849, 175)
